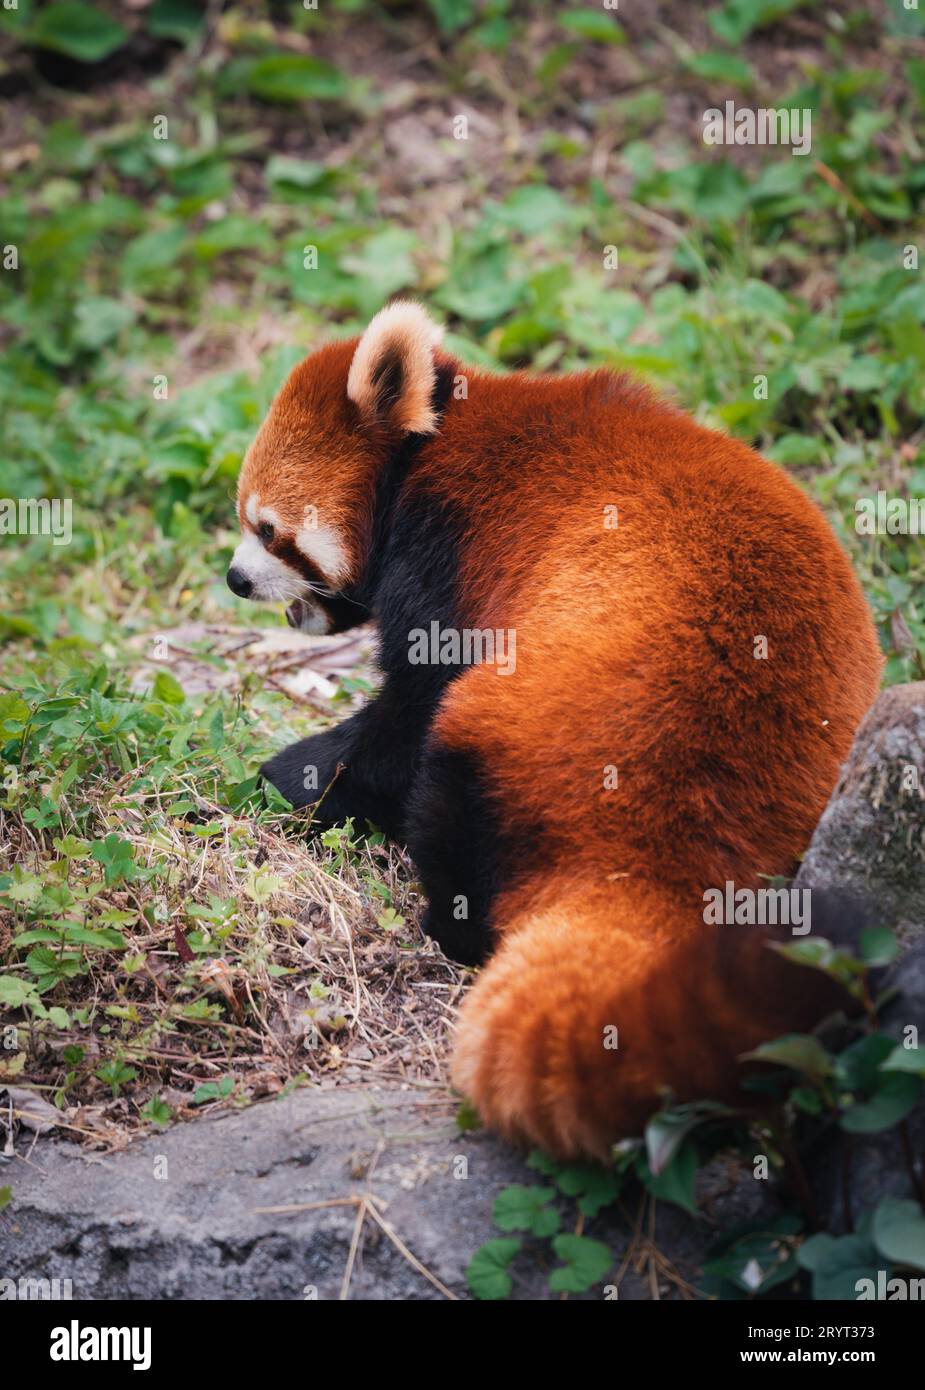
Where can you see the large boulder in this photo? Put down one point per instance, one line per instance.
(870, 842)
(264, 1203)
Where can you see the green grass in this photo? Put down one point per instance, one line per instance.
(152, 897)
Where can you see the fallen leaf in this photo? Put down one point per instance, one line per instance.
(31, 1110)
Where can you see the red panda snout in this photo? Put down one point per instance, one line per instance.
(286, 555)
(262, 574)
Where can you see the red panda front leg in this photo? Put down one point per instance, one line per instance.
(363, 768)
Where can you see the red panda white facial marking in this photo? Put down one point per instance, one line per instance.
(265, 567)
(323, 546)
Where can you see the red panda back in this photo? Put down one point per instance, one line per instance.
(713, 647)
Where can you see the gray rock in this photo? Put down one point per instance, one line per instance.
(870, 846)
(870, 842)
(183, 1214)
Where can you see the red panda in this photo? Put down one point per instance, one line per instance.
(679, 657)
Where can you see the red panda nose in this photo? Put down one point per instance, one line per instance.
(239, 583)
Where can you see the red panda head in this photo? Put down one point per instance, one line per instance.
(306, 492)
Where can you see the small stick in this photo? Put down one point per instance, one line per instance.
(362, 1208)
(367, 1205)
(308, 1206)
(403, 1249)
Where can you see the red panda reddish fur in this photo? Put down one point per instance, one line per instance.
(638, 649)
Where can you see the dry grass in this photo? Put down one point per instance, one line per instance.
(313, 971)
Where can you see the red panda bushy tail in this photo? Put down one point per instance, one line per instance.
(596, 1004)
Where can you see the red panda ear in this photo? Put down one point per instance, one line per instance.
(392, 374)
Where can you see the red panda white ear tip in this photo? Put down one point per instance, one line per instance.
(401, 339)
(407, 319)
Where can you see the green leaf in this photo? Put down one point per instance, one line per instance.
(149, 255)
(915, 72)
(233, 233)
(666, 1131)
(175, 19)
(83, 936)
(300, 173)
(116, 856)
(815, 1251)
(14, 993)
(799, 1051)
(24, 888)
(898, 1231)
(18, 19)
(293, 77)
(795, 450)
(586, 1263)
(837, 1264)
(99, 319)
(542, 1163)
(593, 24)
(865, 373)
(382, 266)
(909, 1059)
(878, 946)
(486, 1273)
(6, 1196)
(79, 30)
(157, 1111)
(894, 1096)
(675, 1183)
(13, 713)
(213, 1090)
(754, 1259)
(452, 15)
(722, 67)
(594, 1187)
(858, 1068)
(467, 1117)
(261, 885)
(555, 60)
(49, 967)
(736, 19)
(115, 1074)
(168, 689)
(534, 208)
(29, 938)
(178, 744)
(519, 1208)
(807, 1100)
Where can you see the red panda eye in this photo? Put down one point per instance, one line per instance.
(265, 532)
